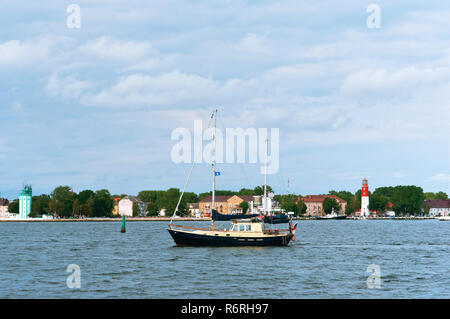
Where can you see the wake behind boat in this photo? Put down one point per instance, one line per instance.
(246, 229)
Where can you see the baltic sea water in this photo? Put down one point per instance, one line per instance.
(329, 259)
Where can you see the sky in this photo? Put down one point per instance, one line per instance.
(94, 107)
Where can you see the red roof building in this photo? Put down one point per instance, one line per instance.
(224, 204)
(314, 204)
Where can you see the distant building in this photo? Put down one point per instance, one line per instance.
(25, 202)
(314, 204)
(125, 206)
(228, 204)
(162, 212)
(4, 208)
(436, 207)
(389, 213)
(357, 213)
(193, 209)
(115, 210)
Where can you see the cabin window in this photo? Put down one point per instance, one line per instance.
(241, 227)
(248, 228)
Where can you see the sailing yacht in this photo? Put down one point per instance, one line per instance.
(246, 229)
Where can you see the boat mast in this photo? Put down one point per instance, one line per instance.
(214, 168)
(265, 178)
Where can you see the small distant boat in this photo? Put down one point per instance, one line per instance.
(443, 218)
(333, 215)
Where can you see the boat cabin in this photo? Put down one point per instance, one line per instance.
(246, 226)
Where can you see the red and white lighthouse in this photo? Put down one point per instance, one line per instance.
(365, 199)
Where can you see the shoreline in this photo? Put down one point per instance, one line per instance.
(102, 219)
(159, 219)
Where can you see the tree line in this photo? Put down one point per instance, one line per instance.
(64, 202)
(404, 200)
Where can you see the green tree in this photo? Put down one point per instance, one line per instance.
(427, 209)
(169, 200)
(345, 195)
(438, 195)
(190, 197)
(246, 191)
(429, 196)
(136, 210)
(278, 198)
(13, 207)
(244, 205)
(301, 207)
(259, 190)
(39, 205)
(378, 202)
(152, 209)
(150, 196)
(289, 203)
(348, 197)
(385, 191)
(84, 203)
(102, 203)
(61, 203)
(85, 195)
(329, 204)
(407, 199)
(441, 195)
(356, 202)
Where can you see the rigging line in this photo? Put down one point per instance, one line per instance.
(187, 181)
(184, 188)
(241, 165)
(283, 185)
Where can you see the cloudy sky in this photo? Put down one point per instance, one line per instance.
(94, 107)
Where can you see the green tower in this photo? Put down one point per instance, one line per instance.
(25, 202)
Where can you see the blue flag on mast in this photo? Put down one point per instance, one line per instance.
(216, 173)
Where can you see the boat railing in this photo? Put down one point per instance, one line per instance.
(276, 231)
(189, 227)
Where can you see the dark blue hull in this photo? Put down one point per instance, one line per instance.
(191, 239)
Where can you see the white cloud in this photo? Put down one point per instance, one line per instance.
(313, 69)
(27, 53)
(16, 106)
(110, 48)
(400, 83)
(254, 43)
(398, 175)
(441, 177)
(67, 87)
(167, 89)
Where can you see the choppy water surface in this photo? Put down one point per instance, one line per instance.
(328, 260)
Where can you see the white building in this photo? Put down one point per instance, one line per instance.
(126, 205)
(389, 213)
(437, 207)
(162, 212)
(4, 208)
(25, 202)
(193, 209)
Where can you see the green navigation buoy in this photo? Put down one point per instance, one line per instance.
(122, 229)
